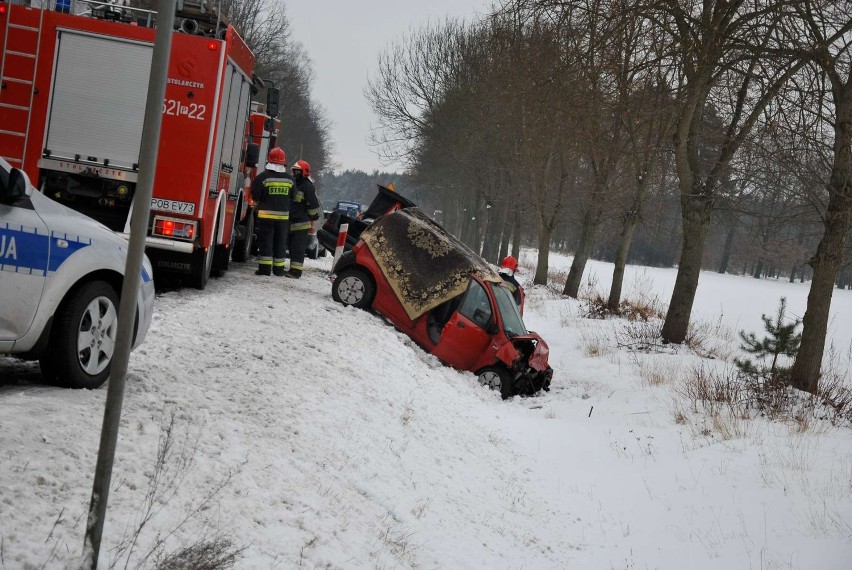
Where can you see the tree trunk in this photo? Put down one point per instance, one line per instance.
(829, 255)
(491, 243)
(826, 262)
(591, 221)
(696, 212)
(726, 250)
(516, 235)
(543, 253)
(506, 234)
(758, 270)
(630, 223)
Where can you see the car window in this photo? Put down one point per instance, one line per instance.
(512, 322)
(476, 305)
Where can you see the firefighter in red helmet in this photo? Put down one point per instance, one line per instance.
(272, 191)
(508, 267)
(304, 210)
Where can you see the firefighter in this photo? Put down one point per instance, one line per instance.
(508, 267)
(304, 210)
(272, 191)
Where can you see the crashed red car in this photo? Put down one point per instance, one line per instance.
(450, 301)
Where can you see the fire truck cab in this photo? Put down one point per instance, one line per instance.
(72, 106)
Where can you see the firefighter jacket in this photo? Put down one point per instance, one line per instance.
(514, 287)
(304, 206)
(272, 191)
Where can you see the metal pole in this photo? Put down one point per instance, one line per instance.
(132, 276)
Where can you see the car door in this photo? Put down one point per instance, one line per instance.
(465, 336)
(24, 256)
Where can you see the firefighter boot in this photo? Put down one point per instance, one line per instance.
(264, 267)
(278, 267)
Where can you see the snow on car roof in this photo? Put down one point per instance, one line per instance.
(423, 262)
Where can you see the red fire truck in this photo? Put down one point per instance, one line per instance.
(71, 115)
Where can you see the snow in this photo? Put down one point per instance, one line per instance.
(315, 435)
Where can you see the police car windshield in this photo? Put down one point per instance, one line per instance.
(512, 322)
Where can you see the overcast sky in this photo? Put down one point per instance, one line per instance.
(343, 39)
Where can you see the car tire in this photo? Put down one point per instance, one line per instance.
(353, 286)
(89, 314)
(498, 378)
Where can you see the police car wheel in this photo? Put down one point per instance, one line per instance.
(83, 337)
(353, 287)
(497, 378)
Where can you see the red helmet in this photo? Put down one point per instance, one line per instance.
(303, 166)
(277, 156)
(510, 263)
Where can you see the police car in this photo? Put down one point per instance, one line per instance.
(60, 282)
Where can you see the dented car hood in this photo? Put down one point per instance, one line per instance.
(538, 360)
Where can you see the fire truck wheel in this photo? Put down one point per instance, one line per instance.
(244, 233)
(200, 279)
(498, 378)
(221, 255)
(83, 336)
(353, 287)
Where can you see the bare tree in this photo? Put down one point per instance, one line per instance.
(822, 30)
(720, 45)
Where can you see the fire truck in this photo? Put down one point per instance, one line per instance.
(72, 104)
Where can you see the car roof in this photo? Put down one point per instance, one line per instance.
(424, 263)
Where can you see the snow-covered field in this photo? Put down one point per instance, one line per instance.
(316, 436)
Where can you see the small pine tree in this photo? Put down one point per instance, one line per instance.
(782, 339)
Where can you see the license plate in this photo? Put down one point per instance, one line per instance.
(163, 205)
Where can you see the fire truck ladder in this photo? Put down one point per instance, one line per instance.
(17, 80)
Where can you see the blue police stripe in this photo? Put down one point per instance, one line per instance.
(59, 253)
(23, 250)
(145, 276)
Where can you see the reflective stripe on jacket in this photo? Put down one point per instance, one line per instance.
(272, 192)
(305, 205)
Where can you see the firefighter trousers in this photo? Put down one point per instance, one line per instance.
(272, 243)
(298, 245)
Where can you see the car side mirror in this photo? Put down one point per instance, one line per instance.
(16, 187)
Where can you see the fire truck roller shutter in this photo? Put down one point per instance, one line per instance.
(230, 88)
(97, 103)
(235, 121)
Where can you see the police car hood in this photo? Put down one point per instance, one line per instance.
(61, 219)
(424, 263)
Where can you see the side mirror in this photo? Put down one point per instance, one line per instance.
(252, 154)
(16, 188)
(272, 95)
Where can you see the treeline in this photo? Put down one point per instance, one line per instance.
(707, 134)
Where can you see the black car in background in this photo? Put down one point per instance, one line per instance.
(385, 202)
